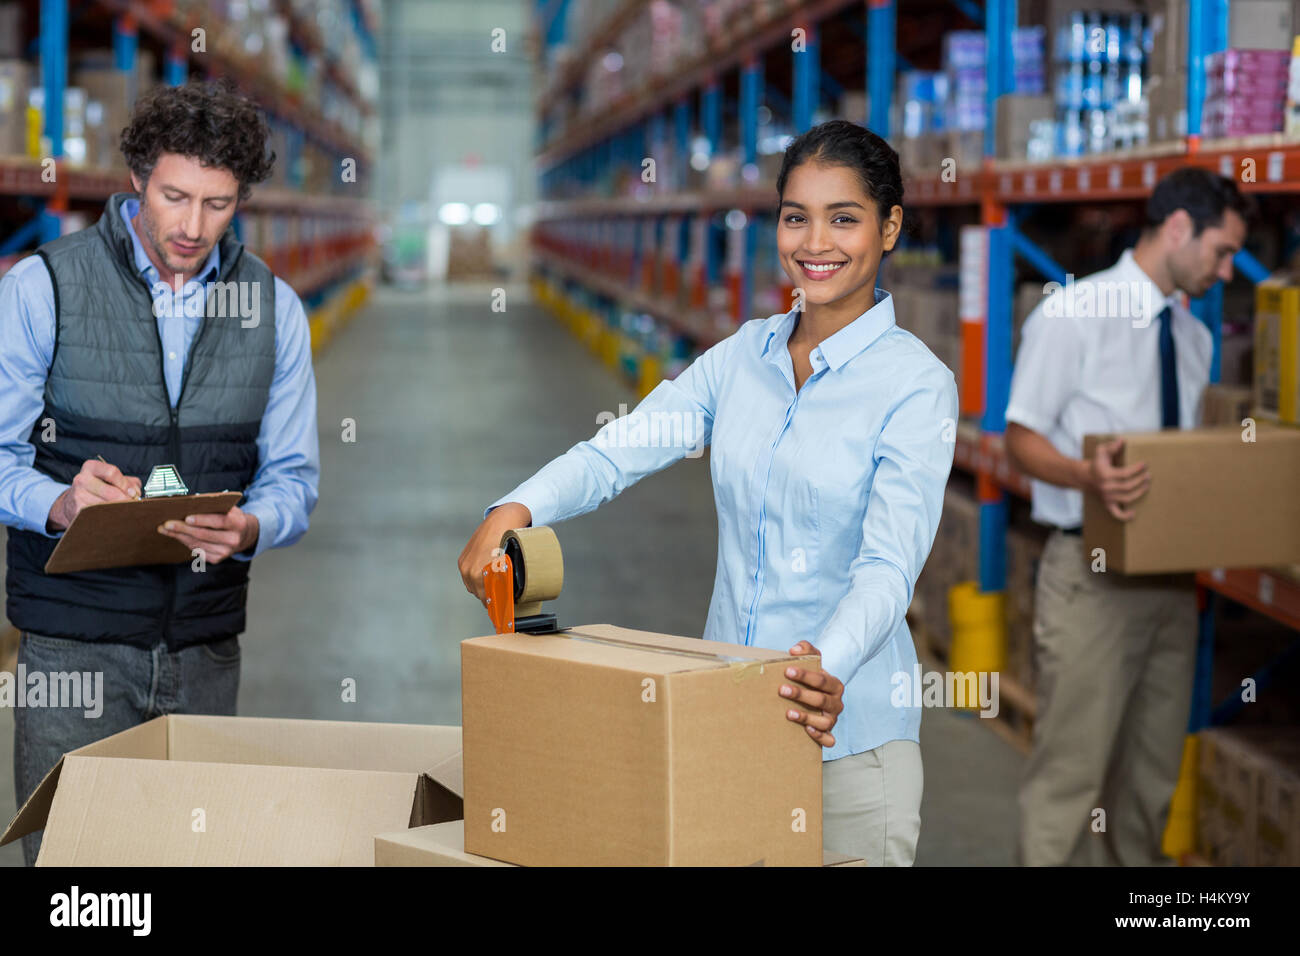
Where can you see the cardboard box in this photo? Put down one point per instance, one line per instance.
(225, 791)
(1015, 113)
(443, 844)
(15, 81)
(1167, 107)
(607, 746)
(1226, 799)
(1225, 405)
(1277, 818)
(1215, 500)
(1260, 24)
(1168, 39)
(1248, 796)
(1277, 351)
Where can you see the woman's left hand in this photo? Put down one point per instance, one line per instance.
(820, 692)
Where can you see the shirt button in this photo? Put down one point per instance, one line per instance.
(172, 356)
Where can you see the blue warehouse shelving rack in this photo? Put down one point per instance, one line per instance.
(686, 256)
(320, 241)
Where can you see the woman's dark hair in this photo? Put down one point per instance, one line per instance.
(207, 121)
(1203, 194)
(841, 143)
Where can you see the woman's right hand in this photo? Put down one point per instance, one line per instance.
(486, 539)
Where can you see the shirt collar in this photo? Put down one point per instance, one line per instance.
(211, 268)
(1149, 294)
(849, 341)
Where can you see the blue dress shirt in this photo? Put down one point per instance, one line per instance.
(284, 489)
(828, 496)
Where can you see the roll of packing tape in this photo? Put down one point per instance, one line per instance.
(540, 574)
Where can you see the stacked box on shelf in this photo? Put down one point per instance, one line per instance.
(111, 94)
(1261, 24)
(11, 30)
(1245, 92)
(920, 104)
(15, 79)
(1248, 796)
(1166, 83)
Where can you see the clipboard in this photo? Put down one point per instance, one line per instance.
(122, 534)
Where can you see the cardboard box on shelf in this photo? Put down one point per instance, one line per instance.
(1277, 818)
(15, 80)
(1168, 38)
(1226, 799)
(922, 155)
(469, 255)
(607, 746)
(1167, 107)
(11, 29)
(1277, 351)
(1225, 405)
(1215, 500)
(443, 844)
(224, 791)
(966, 148)
(1015, 113)
(1248, 796)
(1260, 24)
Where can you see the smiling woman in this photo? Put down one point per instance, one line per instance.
(826, 426)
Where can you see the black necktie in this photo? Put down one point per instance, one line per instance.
(1168, 372)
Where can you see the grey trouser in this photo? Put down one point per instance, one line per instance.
(871, 804)
(1115, 658)
(138, 684)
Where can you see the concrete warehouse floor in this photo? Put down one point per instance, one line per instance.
(455, 404)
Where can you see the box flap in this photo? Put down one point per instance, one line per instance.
(336, 744)
(144, 741)
(131, 812)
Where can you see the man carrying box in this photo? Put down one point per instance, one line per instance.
(1116, 351)
(112, 361)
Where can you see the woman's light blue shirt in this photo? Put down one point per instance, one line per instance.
(828, 496)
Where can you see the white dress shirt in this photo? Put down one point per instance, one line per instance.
(1089, 363)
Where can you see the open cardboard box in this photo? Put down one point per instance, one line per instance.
(242, 791)
(443, 844)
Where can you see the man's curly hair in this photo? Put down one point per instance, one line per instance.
(208, 121)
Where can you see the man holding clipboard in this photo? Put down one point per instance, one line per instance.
(152, 338)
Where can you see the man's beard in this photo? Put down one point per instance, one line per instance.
(159, 248)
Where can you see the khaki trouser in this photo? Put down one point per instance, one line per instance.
(1115, 658)
(871, 804)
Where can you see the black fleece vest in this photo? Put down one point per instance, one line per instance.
(106, 395)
